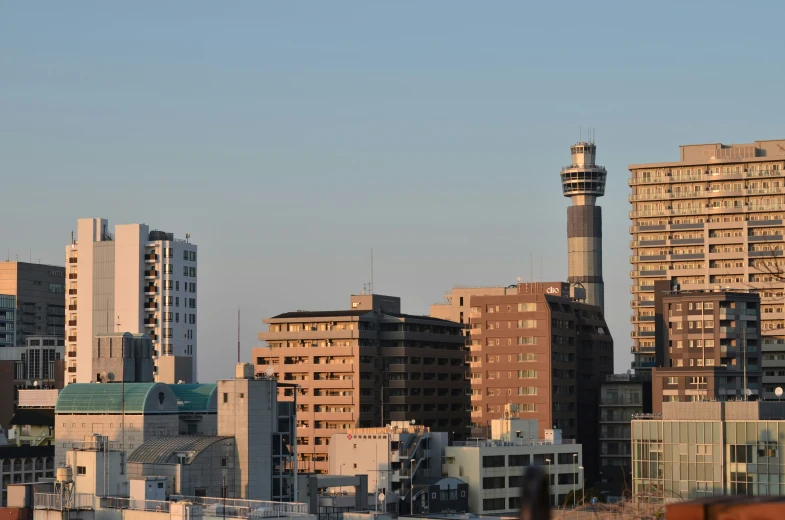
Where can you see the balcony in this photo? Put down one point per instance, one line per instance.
(72, 276)
(72, 307)
(152, 273)
(150, 322)
(72, 292)
(658, 272)
(764, 253)
(151, 257)
(71, 339)
(151, 306)
(765, 238)
(72, 260)
(71, 370)
(71, 353)
(686, 241)
(72, 323)
(151, 289)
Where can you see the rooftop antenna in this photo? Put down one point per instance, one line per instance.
(370, 288)
(238, 334)
(531, 265)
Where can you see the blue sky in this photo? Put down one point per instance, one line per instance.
(290, 138)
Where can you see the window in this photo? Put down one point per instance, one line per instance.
(527, 307)
(490, 504)
(185, 270)
(493, 461)
(81, 470)
(185, 255)
(493, 482)
(226, 397)
(168, 268)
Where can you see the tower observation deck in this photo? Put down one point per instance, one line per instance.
(583, 181)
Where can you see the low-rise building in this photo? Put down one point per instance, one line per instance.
(396, 458)
(494, 468)
(24, 464)
(38, 364)
(700, 449)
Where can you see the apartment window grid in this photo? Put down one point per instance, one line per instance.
(650, 215)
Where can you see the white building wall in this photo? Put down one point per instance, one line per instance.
(466, 463)
(129, 266)
(110, 293)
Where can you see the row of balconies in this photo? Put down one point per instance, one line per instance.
(700, 225)
(710, 240)
(705, 177)
(704, 194)
(664, 212)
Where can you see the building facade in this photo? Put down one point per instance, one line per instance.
(545, 353)
(37, 365)
(622, 396)
(40, 299)
(583, 181)
(397, 458)
(708, 346)
(132, 280)
(493, 468)
(24, 464)
(7, 320)
(700, 449)
(714, 218)
(366, 366)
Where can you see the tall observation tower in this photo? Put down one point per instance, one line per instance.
(583, 181)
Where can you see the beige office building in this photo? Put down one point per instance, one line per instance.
(714, 218)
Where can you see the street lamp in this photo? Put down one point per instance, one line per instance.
(411, 487)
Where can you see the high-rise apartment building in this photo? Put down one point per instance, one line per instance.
(132, 280)
(583, 181)
(40, 300)
(366, 366)
(712, 219)
(545, 353)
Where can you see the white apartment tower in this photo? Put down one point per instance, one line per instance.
(133, 280)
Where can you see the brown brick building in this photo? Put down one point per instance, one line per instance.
(540, 350)
(364, 367)
(701, 341)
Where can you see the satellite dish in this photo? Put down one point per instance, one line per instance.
(35, 383)
(269, 371)
(778, 391)
(749, 392)
(381, 497)
(109, 376)
(519, 279)
(412, 422)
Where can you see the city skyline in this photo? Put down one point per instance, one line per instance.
(281, 139)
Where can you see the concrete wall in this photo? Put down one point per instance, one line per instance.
(248, 411)
(71, 430)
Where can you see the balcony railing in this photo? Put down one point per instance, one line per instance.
(54, 501)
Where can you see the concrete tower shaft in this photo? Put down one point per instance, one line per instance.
(583, 181)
